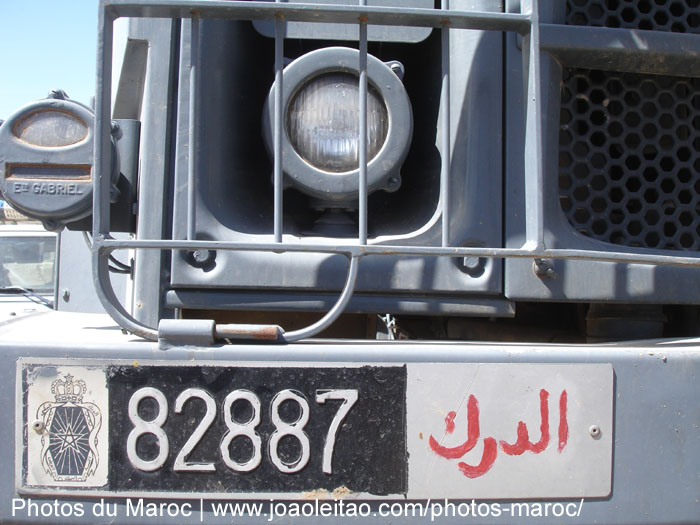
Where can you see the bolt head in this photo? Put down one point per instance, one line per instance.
(471, 263)
(116, 130)
(201, 256)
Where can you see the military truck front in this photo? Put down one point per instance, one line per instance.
(394, 260)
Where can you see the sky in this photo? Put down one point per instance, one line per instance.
(45, 45)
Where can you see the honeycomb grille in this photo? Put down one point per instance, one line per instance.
(629, 158)
(680, 16)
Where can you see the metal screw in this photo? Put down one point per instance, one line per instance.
(203, 257)
(471, 263)
(57, 94)
(65, 293)
(594, 431)
(397, 68)
(52, 225)
(38, 426)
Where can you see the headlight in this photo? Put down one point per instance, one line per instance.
(46, 160)
(323, 122)
(320, 143)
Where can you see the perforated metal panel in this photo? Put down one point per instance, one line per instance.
(629, 144)
(629, 157)
(680, 16)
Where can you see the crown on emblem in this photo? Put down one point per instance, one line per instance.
(68, 390)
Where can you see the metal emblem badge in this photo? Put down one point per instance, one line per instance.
(65, 425)
(69, 447)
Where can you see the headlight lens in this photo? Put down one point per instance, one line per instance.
(51, 129)
(323, 122)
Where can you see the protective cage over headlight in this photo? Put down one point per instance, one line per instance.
(320, 140)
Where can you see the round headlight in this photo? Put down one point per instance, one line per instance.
(321, 122)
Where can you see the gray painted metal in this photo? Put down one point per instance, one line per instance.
(74, 263)
(359, 303)
(534, 214)
(349, 31)
(51, 183)
(615, 274)
(362, 160)
(622, 50)
(193, 137)
(347, 14)
(338, 189)
(278, 130)
(188, 332)
(132, 81)
(454, 252)
(541, 89)
(656, 437)
(157, 150)
(475, 224)
(325, 321)
(445, 131)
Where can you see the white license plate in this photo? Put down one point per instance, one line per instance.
(294, 430)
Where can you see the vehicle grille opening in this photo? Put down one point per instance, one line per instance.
(629, 144)
(679, 16)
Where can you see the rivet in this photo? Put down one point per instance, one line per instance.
(38, 426)
(594, 431)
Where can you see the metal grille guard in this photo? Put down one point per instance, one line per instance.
(680, 50)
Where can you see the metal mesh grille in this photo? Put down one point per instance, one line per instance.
(680, 16)
(629, 158)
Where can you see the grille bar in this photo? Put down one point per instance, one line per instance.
(342, 14)
(445, 129)
(534, 205)
(193, 138)
(362, 208)
(353, 250)
(277, 176)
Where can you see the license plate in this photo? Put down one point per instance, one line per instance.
(213, 430)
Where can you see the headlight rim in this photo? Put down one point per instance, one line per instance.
(385, 165)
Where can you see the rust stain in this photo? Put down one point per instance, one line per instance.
(338, 493)
(268, 333)
(264, 333)
(341, 492)
(316, 494)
